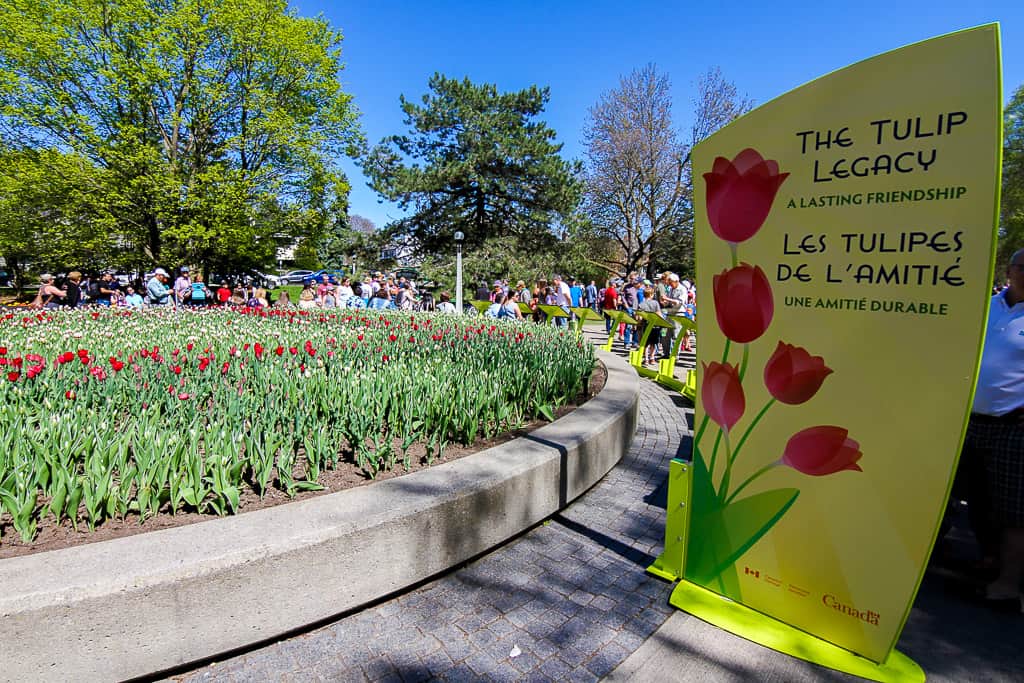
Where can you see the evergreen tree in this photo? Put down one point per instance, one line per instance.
(474, 160)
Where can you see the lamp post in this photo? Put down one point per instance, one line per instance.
(459, 236)
(352, 261)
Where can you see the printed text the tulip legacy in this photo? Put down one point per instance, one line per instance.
(885, 131)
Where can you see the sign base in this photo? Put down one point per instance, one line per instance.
(763, 630)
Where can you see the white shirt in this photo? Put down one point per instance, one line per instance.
(564, 295)
(1001, 377)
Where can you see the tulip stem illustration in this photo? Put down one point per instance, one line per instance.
(714, 455)
(728, 458)
(700, 430)
(757, 418)
(724, 489)
(749, 480)
(735, 257)
(743, 362)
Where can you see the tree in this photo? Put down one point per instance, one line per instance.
(357, 237)
(716, 104)
(206, 120)
(1011, 213)
(477, 161)
(638, 185)
(45, 220)
(635, 187)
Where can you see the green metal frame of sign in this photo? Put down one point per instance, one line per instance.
(772, 633)
(636, 358)
(583, 314)
(617, 317)
(553, 311)
(665, 374)
(671, 564)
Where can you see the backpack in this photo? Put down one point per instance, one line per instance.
(253, 302)
(198, 292)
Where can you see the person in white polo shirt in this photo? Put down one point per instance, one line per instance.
(994, 447)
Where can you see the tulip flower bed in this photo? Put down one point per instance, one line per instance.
(113, 414)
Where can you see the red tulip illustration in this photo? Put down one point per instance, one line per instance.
(740, 194)
(743, 302)
(822, 450)
(792, 375)
(722, 394)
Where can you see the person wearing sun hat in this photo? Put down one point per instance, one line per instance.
(157, 291)
(183, 287)
(672, 303)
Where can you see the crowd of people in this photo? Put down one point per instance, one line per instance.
(666, 295)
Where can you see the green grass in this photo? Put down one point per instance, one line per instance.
(293, 292)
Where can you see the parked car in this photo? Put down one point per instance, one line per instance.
(266, 280)
(334, 276)
(295, 277)
(246, 278)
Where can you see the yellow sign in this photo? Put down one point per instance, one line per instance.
(845, 243)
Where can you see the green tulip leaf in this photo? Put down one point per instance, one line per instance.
(705, 500)
(723, 535)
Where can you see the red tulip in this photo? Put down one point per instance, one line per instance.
(740, 194)
(13, 376)
(3, 350)
(743, 302)
(721, 394)
(792, 375)
(822, 450)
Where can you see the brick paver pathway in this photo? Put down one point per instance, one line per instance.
(568, 600)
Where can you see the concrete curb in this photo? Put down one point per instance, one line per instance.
(143, 604)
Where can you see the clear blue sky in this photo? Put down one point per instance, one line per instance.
(580, 49)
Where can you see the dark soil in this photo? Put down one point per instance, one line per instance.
(52, 536)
